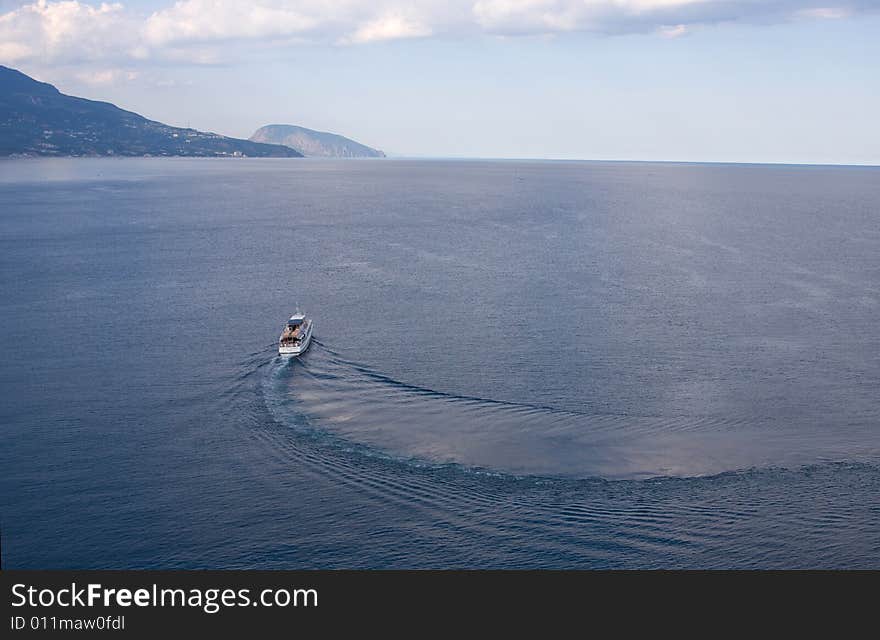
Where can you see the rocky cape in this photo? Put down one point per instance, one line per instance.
(311, 143)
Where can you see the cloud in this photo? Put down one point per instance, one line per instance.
(334, 21)
(66, 30)
(827, 13)
(200, 31)
(210, 20)
(667, 17)
(99, 77)
(548, 16)
(673, 31)
(389, 27)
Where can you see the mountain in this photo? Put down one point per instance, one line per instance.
(38, 120)
(314, 143)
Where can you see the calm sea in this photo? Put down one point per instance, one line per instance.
(517, 364)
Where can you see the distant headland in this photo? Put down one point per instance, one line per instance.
(313, 143)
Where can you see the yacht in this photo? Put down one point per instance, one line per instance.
(297, 335)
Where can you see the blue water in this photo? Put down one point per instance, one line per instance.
(517, 364)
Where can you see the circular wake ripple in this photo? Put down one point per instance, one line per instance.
(408, 515)
(327, 393)
(377, 510)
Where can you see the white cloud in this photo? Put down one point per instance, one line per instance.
(13, 51)
(68, 30)
(673, 31)
(390, 27)
(548, 16)
(199, 31)
(206, 20)
(105, 76)
(826, 13)
(339, 21)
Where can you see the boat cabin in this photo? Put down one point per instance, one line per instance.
(293, 328)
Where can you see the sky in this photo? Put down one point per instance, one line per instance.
(677, 80)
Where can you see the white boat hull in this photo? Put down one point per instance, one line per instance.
(291, 350)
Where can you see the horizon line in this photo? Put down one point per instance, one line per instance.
(769, 163)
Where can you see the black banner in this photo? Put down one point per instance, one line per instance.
(241, 602)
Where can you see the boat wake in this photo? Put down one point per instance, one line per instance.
(333, 397)
(408, 470)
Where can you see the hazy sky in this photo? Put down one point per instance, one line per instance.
(713, 80)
